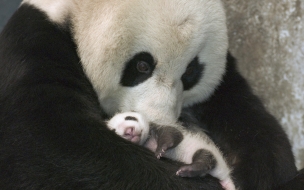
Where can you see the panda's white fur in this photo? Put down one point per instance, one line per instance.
(109, 32)
(173, 32)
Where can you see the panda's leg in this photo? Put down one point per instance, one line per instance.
(166, 137)
(202, 162)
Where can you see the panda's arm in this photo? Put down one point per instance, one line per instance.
(52, 134)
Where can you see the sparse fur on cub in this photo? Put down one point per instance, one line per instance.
(189, 145)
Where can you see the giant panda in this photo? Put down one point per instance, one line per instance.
(67, 66)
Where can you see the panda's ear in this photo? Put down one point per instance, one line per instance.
(131, 118)
(138, 69)
(193, 74)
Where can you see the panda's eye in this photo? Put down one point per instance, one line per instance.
(193, 74)
(143, 67)
(138, 69)
(189, 70)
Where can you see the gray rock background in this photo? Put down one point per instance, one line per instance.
(267, 37)
(7, 8)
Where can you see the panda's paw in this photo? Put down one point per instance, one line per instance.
(191, 170)
(131, 126)
(160, 153)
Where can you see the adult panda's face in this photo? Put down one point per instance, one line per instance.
(149, 56)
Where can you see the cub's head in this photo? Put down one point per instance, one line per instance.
(148, 56)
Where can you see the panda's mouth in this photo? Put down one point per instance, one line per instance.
(110, 105)
(135, 139)
(132, 135)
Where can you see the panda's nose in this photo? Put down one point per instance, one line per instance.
(164, 104)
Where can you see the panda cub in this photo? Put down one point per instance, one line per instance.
(181, 142)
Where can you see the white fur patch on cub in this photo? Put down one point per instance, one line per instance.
(183, 152)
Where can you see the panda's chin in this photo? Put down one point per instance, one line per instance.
(110, 106)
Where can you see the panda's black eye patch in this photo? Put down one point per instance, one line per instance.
(138, 69)
(192, 74)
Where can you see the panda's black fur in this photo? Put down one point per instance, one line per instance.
(53, 135)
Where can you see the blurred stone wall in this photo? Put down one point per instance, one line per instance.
(267, 38)
(7, 8)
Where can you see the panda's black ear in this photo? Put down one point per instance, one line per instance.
(138, 69)
(193, 74)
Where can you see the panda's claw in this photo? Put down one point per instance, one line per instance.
(160, 154)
